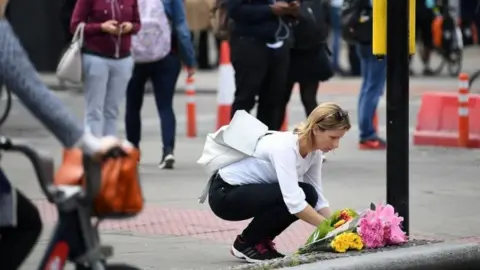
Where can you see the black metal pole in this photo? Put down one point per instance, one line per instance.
(397, 108)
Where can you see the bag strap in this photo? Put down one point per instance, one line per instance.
(78, 35)
(204, 194)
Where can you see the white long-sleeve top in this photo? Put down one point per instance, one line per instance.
(277, 159)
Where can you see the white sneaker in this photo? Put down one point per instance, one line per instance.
(167, 162)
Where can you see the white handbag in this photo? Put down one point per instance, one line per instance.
(230, 144)
(70, 66)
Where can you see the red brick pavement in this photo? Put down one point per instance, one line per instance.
(159, 220)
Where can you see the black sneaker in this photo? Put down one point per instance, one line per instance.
(167, 162)
(271, 246)
(252, 253)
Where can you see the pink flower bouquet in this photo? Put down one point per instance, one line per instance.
(381, 226)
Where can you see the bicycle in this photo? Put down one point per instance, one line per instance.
(76, 238)
(451, 54)
(473, 78)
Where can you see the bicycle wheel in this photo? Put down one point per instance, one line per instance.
(437, 61)
(455, 63)
(474, 82)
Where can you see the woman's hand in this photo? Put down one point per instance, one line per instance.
(97, 147)
(106, 144)
(110, 26)
(190, 71)
(3, 8)
(126, 27)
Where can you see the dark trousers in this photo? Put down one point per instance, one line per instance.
(17, 242)
(308, 95)
(262, 202)
(163, 74)
(353, 60)
(259, 71)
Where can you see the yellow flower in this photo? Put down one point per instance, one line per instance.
(339, 245)
(345, 241)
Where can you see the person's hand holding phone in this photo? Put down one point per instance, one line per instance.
(3, 8)
(110, 26)
(294, 8)
(280, 8)
(126, 27)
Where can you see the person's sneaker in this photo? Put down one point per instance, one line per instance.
(167, 162)
(273, 249)
(252, 253)
(375, 144)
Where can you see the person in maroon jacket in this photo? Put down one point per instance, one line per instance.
(107, 64)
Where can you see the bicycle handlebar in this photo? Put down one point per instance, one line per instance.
(43, 165)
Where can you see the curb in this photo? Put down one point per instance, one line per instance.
(148, 89)
(418, 254)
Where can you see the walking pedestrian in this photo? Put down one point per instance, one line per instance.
(162, 65)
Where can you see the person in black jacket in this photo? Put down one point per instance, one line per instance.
(260, 55)
(309, 65)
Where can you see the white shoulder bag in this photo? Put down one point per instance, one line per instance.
(230, 144)
(70, 66)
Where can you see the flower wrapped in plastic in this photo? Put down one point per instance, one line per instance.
(345, 230)
(381, 226)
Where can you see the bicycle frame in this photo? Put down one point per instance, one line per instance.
(75, 237)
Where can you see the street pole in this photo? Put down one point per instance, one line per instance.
(397, 107)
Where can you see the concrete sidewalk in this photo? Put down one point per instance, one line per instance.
(174, 232)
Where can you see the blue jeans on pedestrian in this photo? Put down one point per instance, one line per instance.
(336, 33)
(163, 74)
(105, 84)
(373, 73)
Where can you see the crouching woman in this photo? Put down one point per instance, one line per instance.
(280, 183)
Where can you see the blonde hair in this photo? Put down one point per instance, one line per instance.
(326, 116)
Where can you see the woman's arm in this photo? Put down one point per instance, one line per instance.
(135, 18)
(183, 33)
(314, 177)
(80, 14)
(284, 160)
(22, 79)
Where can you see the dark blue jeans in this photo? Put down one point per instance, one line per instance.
(336, 35)
(373, 73)
(163, 74)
